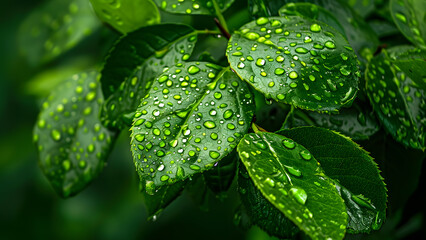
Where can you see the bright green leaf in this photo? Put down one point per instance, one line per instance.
(261, 212)
(56, 27)
(292, 180)
(296, 61)
(193, 115)
(155, 204)
(398, 102)
(410, 18)
(201, 7)
(127, 15)
(133, 64)
(72, 143)
(411, 61)
(357, 122)
(356, 174)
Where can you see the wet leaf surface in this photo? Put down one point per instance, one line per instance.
(398, 102)
(72, 143)
(135, 61)
(355, 173)
(201, 7)
(193, 115)
(297, 61)
(291, 179)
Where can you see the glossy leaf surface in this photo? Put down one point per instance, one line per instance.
(410, 18)
(412, 61)
(127, 15)
(356, 174)
(202, 7)
(133, 64)
(261, 212)
(220, 177)
(54, 28)
(297, 61)
(398, 102)
(193, 115)
(72, 143)
(155, 204)
(357, 122)
(292, 180)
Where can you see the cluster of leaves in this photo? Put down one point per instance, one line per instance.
(191, 113)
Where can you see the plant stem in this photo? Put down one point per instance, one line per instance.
(304, 117)
(222, 22)
(208, 32)
(289, 114)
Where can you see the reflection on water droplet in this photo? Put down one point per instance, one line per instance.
(299, 194)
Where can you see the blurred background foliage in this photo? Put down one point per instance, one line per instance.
(112, 207)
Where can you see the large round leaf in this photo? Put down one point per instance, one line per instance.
(296, 61)
(397, 100)
(72, 143)
(193, 115)
(293, 181)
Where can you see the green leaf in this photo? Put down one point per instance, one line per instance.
(193, 115)
(357, 122)
(127, 16)
(135, 61)
(398, 102)
(409, 17)
(54, 28)
(356, 174)
(411, 61)
(291, 179)
(297, 61)
(311, 11)
(72, 143)
(220, 177)
(362, 7)
(261, 212)
(155, 204)
(201, 7)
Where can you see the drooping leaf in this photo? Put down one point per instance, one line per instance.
(291, 179)
(54, 28)
(72, 143)
(296, 61)
(127, 16)
(193, 115)
(356, 174)
(398, 102)
(311, 11)
(261, 212)
(357, 122)
(409, 16)
(135, 61)
(156, 203)
(220, 177)
(201, 7)
(412, 61)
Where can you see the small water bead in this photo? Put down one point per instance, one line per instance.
(209, 124)
(279, 71)
(212, 112)
(344, 71)
(288, 143)
(270, 182)
(293, 85)
(193, 69)
(260, 62)
(306, 155)
(279, 59)
(299, 195)
(330, 45)
(214, 154)
(315, 28)
(217, 95)
(164, 178)
(56, 135)
(241, 65)
(293, 75)
(227, 114)
(262, 21)
(301, 50)
(293, 171)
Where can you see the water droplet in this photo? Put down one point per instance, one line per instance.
(301, 50)
(56, 135)
(293, 75)
(315, 27)
(193, 69)
(227, 114)
(330, 45)
(214, 154)
(279, 71)
(344, 71)
(164, 178)
(305, 154)
(270, 182)
(299, 194)
(262, 21)
(260, 62)
(217, 95)
(294, 171)
(209, 124)
(288, 143)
